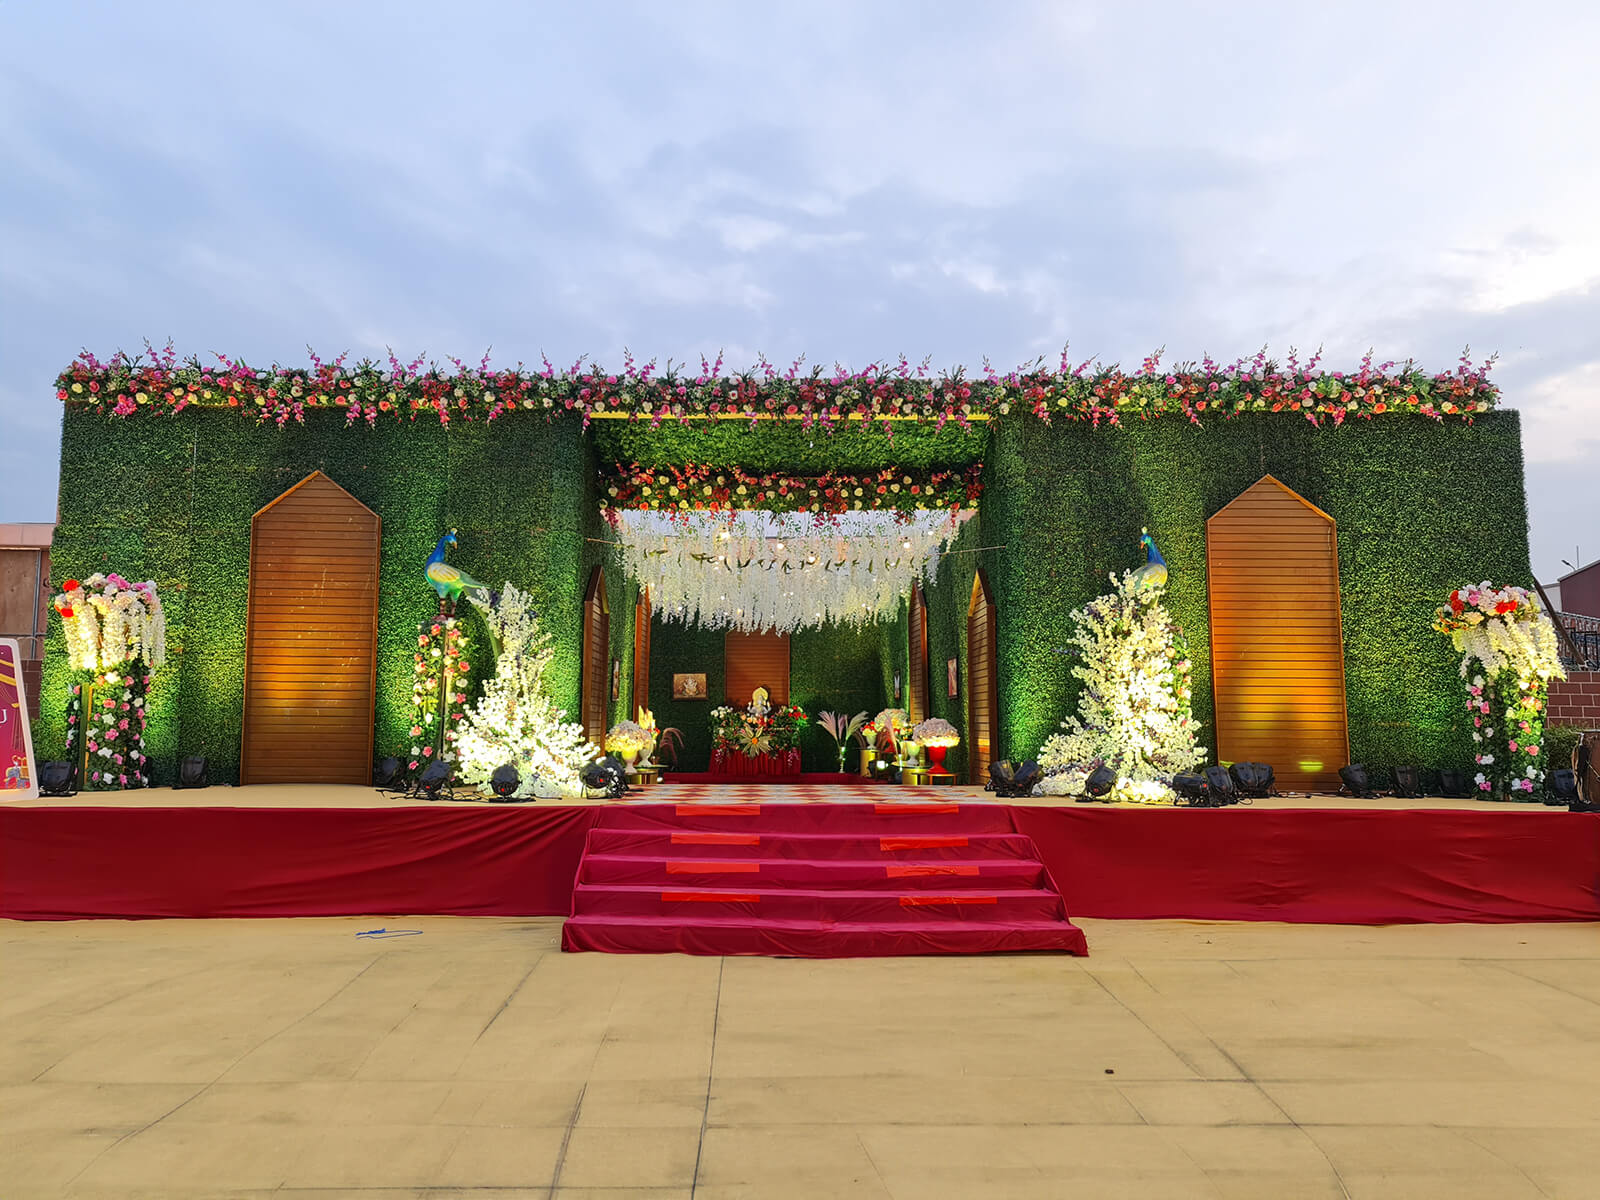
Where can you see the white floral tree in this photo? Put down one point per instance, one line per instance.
(515, 721)
(1134, 713)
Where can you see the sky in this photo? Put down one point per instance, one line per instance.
(846, 180)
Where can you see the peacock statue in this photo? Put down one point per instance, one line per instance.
(1154, 572)
(449, 581)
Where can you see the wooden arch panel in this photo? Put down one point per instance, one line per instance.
(917, 658)
(1277, 650)
(752, 660)
(983, 687)
(596, 658)
(311, 636)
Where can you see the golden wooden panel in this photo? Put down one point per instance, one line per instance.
(983, 690)
(311, 638)
(1277, 649)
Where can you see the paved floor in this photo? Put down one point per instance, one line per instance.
(296, 1059)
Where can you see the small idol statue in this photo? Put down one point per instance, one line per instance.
(759, 702)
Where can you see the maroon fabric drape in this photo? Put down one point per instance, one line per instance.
(782, 763)
(1340, 866)
(69, 862)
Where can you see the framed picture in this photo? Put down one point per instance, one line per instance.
(955, 674)
(897, 685)
(616, 678)
(689, 687)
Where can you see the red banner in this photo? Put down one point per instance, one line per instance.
(18, 779)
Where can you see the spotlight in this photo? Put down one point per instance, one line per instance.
(1354, 778)
(58, 779)
(1011, 781)
(1191, 789)
(505, 781)
(387, 775)
(606, 776)
(1219, 786)
(1099, 784)
(192, 772)
(433, 780)
(1453, 784)
(1561, 788)
(1252, 778)
(1407, 782)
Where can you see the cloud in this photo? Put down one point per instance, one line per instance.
(846, 180)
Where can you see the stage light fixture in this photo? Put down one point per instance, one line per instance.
(1027, 776)
(434, 780)
(606, 776)
(192, 772)
(1011, 781)
(1191, 788)
(1219, 786)
(505, 781)
(1354, 779)
(1098, 786)
(1407, 782)
(1252, 778)
(1561, 789)
(387, 775)
(1453, 784)
(58, 779)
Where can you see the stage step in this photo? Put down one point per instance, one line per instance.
(824, 880)
(665, 869)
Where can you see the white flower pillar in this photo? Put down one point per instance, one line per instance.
(1508, 658)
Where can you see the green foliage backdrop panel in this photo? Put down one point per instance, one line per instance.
(1420, 509)
(172, 500)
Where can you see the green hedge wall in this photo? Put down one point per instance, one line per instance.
(783, 445)
(1420, 508)
(172, 500)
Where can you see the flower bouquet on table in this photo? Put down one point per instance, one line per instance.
(938, 735)
(889, 726)
(630, 741)
(750, 734)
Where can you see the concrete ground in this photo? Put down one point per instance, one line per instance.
(473, 1059)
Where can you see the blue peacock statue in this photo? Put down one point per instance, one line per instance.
(449, 581)
(1154, 572)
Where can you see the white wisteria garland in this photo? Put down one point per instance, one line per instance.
(757, 570)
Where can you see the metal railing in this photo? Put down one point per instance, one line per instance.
(1580, 641)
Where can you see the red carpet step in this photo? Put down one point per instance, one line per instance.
(814, 881)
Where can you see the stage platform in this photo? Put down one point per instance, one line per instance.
(278, 850)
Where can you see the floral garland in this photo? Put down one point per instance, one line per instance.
(880, 392)
(118, 630)
(740, 731)
(440, 667)
(1514, 642)
(703, 487)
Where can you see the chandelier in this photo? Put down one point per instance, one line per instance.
(754, 570)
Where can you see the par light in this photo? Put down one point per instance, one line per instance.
(1407, 782)
(1191, 788)
(433, 780)
(1099, 784)
(192, 772)
(606, 776)
(1353, 777)
(1252, 778)
(1561, 788)
(387, 776)
(1006, 779)
(505, 781)
(58, 779)
(1453, 784)
(1219, 786)
(1027, 775)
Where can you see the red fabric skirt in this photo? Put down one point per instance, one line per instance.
(783, 763)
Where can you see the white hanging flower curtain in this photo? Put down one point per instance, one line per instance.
(754, 570)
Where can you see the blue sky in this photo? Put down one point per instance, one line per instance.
(849, 180)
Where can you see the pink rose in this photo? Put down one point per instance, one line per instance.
(1532, 749)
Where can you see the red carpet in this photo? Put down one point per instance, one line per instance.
(814, 881)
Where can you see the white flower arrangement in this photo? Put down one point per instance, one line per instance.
(935, 731)
(109, 621)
